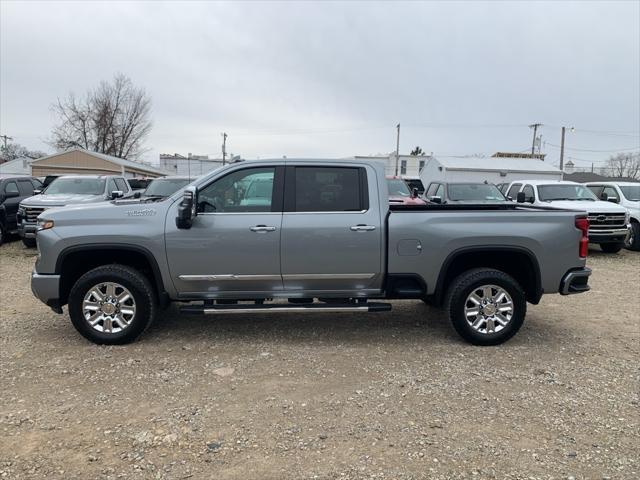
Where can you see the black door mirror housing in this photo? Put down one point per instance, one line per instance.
(37, 191)
(187, 210)
(117, 194)
(521, 197)
(435, 199)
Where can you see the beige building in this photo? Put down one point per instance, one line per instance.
(78, 161)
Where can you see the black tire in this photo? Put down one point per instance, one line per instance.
(634, 243)
(140, 289)
(611, 247)
(2, 233)
(29, 242)
(464, 285)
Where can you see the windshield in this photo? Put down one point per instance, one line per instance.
(476, 192)
(549, 193)
(75, 185)
(631, 192)
(163, 187)
(397, 187)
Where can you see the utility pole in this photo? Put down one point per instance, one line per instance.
(4, 139)
(535, 130)
(224, 148)
(562, 150)
(397, 148)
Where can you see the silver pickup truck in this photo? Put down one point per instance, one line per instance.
(297, 236)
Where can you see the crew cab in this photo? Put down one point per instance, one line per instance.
(627, 195)
(608, 223)
(325, 240)
(68, 190)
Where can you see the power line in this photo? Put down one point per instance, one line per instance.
(594, 151)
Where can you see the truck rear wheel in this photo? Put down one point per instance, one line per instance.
(112, 304)
(611, 247)
(486, 306)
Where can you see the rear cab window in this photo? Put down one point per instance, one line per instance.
(326, 189)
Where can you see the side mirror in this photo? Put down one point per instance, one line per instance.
(414, 193)
(435, 199)
(521, 198)
(613, 200)
(187, 209)
(11, 194)
(137, 194)
(117, 194)
(37, 191)
(604, 197)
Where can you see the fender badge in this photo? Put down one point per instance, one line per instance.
(147, 212)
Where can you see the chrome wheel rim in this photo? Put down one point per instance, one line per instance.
(488, 309)
(109, 307)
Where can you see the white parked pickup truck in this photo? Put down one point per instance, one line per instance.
(608, 223)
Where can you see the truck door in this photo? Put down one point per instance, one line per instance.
(331, 239)
(234, 242)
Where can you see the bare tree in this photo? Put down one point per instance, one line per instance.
(15, 150)
(112, 119)
(624, 165)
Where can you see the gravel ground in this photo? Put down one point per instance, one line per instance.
(391, 395)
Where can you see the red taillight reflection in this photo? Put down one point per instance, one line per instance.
(582, 224)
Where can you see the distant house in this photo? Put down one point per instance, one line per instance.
(191, 165)
(409, 166)
(499, 168)
(17, 166)
(79, 161)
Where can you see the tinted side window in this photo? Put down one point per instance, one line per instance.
(330, 189)
(248, 190)
(122, 185)
(25, 187)
(611, 192)
(528, 193)
(111, 186)
(440, 191)
(596, 189)
(431, 191)
(11, 187)
(513, 191)
(37, 184)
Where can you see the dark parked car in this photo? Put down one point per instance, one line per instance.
(476, 193)
(12, 191)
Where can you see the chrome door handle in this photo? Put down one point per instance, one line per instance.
(362, 228)
(262, 229)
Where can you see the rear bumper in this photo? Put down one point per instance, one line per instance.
(613, 235)
(575, 281)
(46, 288)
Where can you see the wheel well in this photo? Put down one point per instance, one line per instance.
(520, 265)
(77, 263)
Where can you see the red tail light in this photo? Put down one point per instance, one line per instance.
(582, 224)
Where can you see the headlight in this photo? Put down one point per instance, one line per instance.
(44, 225)
(21, 210)
(627, 216)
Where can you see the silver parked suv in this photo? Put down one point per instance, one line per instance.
(68, 190)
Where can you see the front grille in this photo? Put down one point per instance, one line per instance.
(31, 213)
(606, 221)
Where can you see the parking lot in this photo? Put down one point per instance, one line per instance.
(393, 395)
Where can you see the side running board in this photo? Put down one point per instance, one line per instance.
(284, 308)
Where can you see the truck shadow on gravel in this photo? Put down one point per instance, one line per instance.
(408, 323)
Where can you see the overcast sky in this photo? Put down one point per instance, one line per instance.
(333, 79)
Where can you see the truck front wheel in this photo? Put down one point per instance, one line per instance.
(634, 240)
(29, 242)
(112, 304)
(486, 306)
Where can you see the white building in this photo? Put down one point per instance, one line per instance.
(191, 165)
(500, 168)
(17, 166)
(408, 166)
